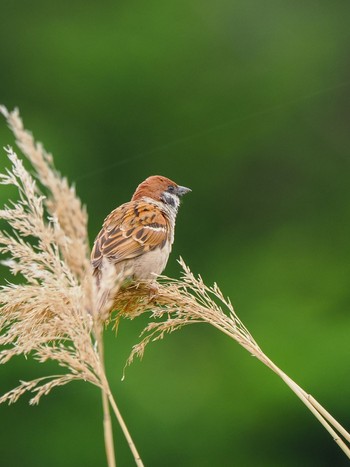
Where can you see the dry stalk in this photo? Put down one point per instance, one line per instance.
(189, 301)
(56, 312)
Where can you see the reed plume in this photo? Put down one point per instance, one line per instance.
(188, 300)
(58, 313)
(54, 312)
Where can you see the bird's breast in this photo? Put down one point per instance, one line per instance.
(149, 265)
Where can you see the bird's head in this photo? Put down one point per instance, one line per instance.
(160, 189)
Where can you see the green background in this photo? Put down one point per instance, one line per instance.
(246, 102)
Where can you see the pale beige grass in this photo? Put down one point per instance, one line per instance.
(54, 311)
(189, 301)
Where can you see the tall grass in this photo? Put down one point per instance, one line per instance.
(57, 312)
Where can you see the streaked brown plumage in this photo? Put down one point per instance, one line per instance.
(137, 236)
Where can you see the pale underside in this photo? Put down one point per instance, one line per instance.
(146, 266)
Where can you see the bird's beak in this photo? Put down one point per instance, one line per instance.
(182, 190)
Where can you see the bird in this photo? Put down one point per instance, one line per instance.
(137, 236)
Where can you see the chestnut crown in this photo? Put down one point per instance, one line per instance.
(159, 188)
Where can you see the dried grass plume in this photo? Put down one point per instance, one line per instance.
(57, 312)
(189, 300)
(54, 312)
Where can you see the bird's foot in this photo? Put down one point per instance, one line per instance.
(153, 291)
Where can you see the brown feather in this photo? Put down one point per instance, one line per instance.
(121, 238)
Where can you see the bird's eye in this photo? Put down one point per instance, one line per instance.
(171, 188)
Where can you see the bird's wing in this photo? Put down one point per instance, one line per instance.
(129, 231)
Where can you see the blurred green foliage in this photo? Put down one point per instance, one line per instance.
(247, 103)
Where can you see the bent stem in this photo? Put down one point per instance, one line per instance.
(188, 301)
(107, 422)
(108, 432)
(125, 430)
(329, 417)
(323, 416)
(108, 399)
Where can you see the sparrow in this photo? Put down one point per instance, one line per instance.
(137, 236)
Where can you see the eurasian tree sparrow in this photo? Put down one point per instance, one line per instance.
(137, 236)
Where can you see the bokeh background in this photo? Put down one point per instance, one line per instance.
(246, 102)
